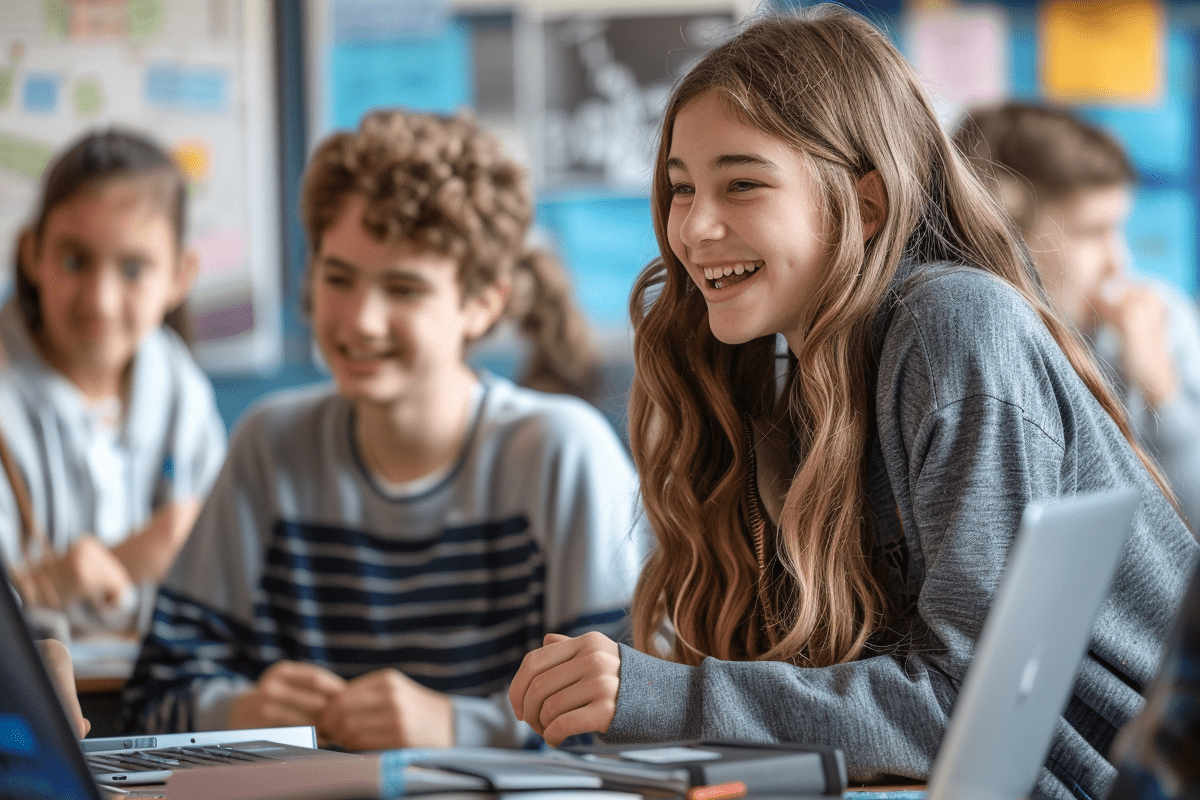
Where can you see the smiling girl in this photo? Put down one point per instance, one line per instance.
(828, 544)
(111, 422)
(379, 554)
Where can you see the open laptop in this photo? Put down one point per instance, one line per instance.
(41, 758)
(1032, 644)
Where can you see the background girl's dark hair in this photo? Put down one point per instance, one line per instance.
(445, 184)
(101, 157)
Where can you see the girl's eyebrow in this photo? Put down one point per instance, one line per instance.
(742, 160)
(727, 161)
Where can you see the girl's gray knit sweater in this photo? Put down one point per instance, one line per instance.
(978, 412)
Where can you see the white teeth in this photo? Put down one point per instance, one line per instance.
(716, 273)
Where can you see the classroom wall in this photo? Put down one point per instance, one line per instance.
(574, 88)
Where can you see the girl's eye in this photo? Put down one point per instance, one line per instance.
(131, 269)
(336, 280)
(680, 188)
(71, 262)
(743, 186)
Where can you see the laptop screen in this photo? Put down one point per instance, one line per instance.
(39, 755)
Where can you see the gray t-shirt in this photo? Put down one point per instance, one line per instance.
(300, 554)
(979, 412)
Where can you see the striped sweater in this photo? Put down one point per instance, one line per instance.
(299, 554)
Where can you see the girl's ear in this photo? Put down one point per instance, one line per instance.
(27, 255)
(486, 308)
(872, 203)
(185, 276)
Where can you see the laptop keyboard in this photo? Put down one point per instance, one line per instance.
(170, 758)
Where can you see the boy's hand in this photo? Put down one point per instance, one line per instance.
(386, 709)
(1140, 318)
(568, 686)
(288, 693)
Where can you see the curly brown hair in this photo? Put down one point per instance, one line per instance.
(446, 184)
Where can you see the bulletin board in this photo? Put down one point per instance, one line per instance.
(197, 76)
(574, 89)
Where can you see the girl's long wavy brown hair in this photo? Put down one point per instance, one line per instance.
(831, 86)
(446, 184)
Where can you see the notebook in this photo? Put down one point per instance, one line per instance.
(41, 758)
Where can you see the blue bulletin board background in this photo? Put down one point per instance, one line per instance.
(501, 62)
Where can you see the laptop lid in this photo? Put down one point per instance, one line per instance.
(39, 755)
(1031, 646)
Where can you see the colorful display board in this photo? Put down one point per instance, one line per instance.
(195, 75)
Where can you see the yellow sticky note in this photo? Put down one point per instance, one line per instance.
(1103, 50)
(193, 158)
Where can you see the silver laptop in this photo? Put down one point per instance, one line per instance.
(1032, 644)
(41, 758)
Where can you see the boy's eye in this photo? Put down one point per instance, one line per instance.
(131, 268)
(402, 291)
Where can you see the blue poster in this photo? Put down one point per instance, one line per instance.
(605, 241)
(1162, 240)
(426, 73)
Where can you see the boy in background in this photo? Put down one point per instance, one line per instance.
(1068, 186)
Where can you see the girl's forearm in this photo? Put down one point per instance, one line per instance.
(149, 553)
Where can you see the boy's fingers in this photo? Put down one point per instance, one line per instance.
(311, 677)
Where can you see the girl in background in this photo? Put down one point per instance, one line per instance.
(378, 555)
(111, 422)
(827, 549)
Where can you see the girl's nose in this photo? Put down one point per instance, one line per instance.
(702, 224)
(102, 292)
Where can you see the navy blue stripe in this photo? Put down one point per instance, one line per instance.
(342, 565)
(595, 620)
(337, 624)
(329, 534)
(495, 591)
